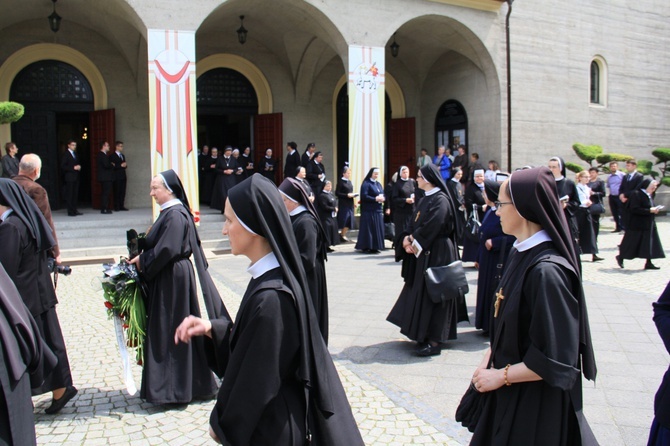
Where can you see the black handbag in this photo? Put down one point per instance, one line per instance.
(470, 408)
(444, 283)
(597, 208)
(472, 226)
(389, 231)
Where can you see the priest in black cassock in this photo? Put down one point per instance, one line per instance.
(312, 245)
(280, 386)
(402, 197)
(569, 198)
(371, 228)
(429, 240)
(25, 237)
(174, 374)
(541, 341)
(24, 359)
(226, 167)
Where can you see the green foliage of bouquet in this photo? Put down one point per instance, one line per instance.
(124, 299)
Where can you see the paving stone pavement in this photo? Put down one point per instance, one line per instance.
(397, 398)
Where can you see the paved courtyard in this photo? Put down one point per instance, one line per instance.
(397, 398)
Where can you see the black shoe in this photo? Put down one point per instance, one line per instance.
(650, 265)
(57, 405)
(374, 251)
(72, 215)
(616, 231)
(619, 260)
(330, 250)
(429, 350)
(105, 212)
(596, 258)
(344, 239)
(123, 209)
(78, 213)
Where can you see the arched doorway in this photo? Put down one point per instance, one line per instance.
(58, 99)
(227, 103)
(451, 125)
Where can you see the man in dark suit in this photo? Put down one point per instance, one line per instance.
(307, 156)
(461, 160)
(629, 184)
(316, 173)
(30, 169)
(105, 177)
(71, 168)
(118, 160)
(292, 160)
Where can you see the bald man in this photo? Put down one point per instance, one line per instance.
(30, 168)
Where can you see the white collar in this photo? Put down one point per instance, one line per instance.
(263, 265)
(532, 241)
(299, 210)
(433, 191)
(559, 178)
(344, 179)
(169, 204)
(291, 152)
(5, 214)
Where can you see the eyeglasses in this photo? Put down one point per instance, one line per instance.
(499, 204)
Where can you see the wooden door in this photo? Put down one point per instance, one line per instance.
(402, 145)
(102, 127)
(268, 133)
(36, 133)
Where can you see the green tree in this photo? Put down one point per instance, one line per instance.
(10, 112)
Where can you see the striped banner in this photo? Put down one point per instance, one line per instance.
(366, 111)
(172, 109)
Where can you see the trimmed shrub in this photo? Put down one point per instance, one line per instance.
(10, 112)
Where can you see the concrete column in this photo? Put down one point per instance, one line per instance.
(172, 108)
(366, 111)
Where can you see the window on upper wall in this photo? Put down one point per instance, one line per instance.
(598, 82)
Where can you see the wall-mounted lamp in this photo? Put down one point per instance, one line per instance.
(242, 31)
(394, 47)
(54, 19)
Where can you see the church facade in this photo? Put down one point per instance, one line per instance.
(370, 82)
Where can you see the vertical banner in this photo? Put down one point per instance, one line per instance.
(172, 109)
(366, 111)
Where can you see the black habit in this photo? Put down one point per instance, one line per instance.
(225, 171)
(473, 197)
(641, 239)
(274, 359)
(24, 359)
(327, 208)
(172, 373)
(345, 203)
(402, 210)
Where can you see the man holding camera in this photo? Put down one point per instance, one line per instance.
(30, 168)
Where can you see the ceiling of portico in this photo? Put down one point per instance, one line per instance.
(425, 40)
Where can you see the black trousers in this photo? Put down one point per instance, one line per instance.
(104, 196)
(119, 194)
(616, 206)
(71, 196)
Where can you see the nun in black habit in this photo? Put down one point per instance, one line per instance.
(569, 198)
(371, 229)
(312, 246)
(541, 337)
(280, 385)
(641, 239)
(402, 197)
(174, 374)
(430, 241)
(327, 208)
(494, 248)
(24, 359)
(25, 237)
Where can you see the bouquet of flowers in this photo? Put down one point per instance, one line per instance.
(124, 300)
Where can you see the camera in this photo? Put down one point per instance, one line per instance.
(53, 267)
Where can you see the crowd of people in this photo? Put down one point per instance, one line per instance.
(280, 384)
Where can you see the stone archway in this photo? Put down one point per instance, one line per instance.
(44, 51)
(246, 68)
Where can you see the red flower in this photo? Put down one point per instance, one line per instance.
(125, 325)
(109, 305)
(139, 362)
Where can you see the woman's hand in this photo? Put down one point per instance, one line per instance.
(192, 326)
(488, 244)
(135, 261)
(486, 380)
